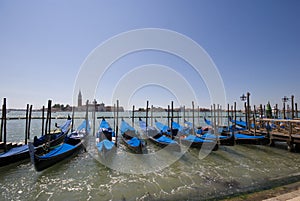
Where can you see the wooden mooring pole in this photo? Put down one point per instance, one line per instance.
(254, 119)
(86, 116)
(228, 116)
(117, 124)
(26, 123)
(172, 116)
(284, 117)
(169, 116)
(218, 115)
(234, 114)
(246, 114)
(248, 110)
(29, 122)
(49, 106)
(94, 118)
(132, 117)
(214, 118)
(296, 108)
(147, 105)
(193, 120)
(276, 111)
(1, 127)
(3, 123)
(261, 112)
(289, 142)
(43, 119)
(183, 113)
(114, 116)
(198, 116)
(292, 102)
(72, 124)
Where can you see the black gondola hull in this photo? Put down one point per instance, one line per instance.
(136, 149)
(14, 158)
(171, 147)
(198, 145)
(41, 164)
(259, 141)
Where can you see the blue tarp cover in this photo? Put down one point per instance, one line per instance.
(15, 150)
(165, 140)
(58, 150)
(106, 143)
(151, 131)
(175, 125)
(161, 127)
(82, 126)
(64, 128)
(243, 136)
(182, 129)
(236, 128)
(134, 142)
(193, 138)
(81, 131)
(126, 127)
(213, 136)
(104, 124)
(242, 123)
(208, 122)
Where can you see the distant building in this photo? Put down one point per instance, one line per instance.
(79, 99)
(101, 107)
(111, 109)
(94, 106)
(157, 109)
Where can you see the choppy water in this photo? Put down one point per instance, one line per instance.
(227, 171)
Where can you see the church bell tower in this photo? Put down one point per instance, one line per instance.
(79, 99)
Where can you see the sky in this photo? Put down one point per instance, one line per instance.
(254, 44)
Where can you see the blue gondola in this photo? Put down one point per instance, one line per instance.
(239, 137)
(105, 140)
(191, 140)
(241, 125)
(158, 138)
(45, 159)
(165, 130)
(131, 139)
(71, 146)
(81, 131)
(208, 134)
(40, 144)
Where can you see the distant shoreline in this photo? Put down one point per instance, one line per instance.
(165, 110)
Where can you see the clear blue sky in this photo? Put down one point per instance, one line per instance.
(255, 45)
